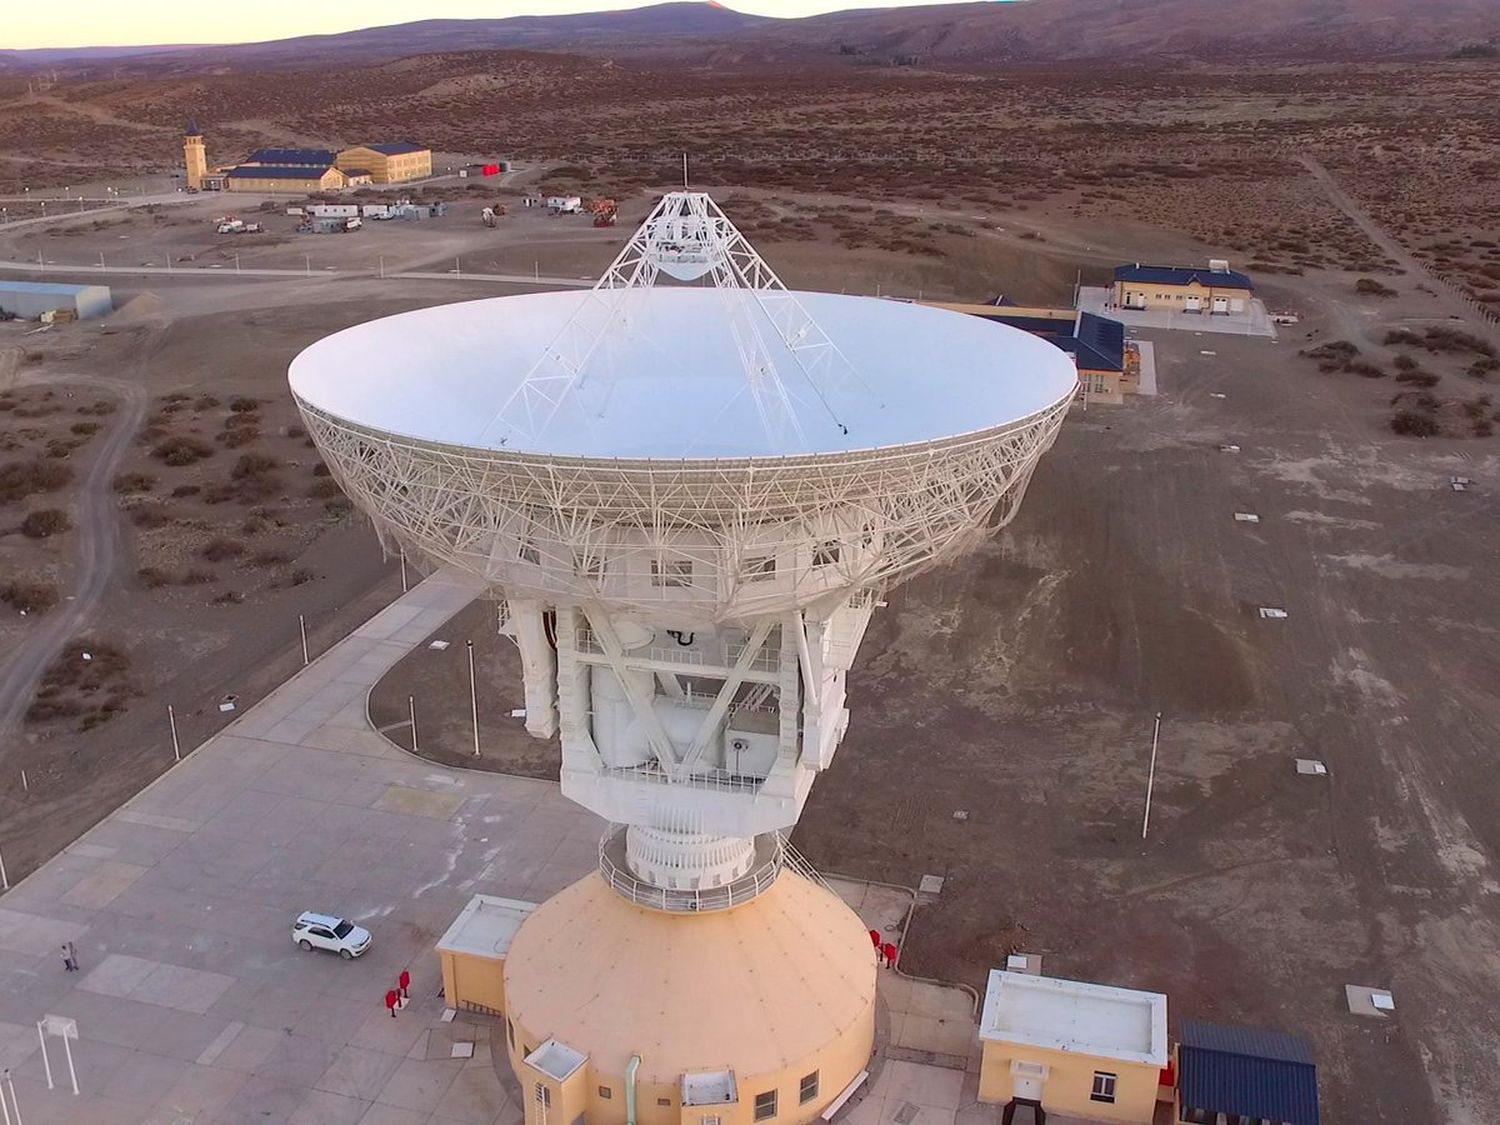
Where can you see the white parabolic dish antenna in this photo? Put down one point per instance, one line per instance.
(690, 498)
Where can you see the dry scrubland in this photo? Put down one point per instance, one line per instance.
(1211, 153)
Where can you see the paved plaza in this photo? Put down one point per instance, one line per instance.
(193, 1005)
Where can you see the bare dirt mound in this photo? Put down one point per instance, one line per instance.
(140, 309)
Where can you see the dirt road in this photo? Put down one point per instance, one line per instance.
(1393, 249)
(96, 548)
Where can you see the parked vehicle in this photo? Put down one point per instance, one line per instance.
(327, 931)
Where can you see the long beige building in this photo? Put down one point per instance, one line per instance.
(287, 171)
(387, 163)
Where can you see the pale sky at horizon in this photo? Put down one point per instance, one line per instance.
(111, 23)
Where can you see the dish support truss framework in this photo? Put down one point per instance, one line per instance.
(687, 626)
(688, 237)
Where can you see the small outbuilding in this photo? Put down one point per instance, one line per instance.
(473, 951)
(1088, 1051)
(1243, 1076)
(30, 300)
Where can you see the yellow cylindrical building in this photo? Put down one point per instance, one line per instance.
(764, 1012)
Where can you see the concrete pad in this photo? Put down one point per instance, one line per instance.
(420, 1084)
(320, 1107)
(379, 1114)
(155, 820)
(419, 802)
(476, 1097)
(1361, 999)
(187, 990)
(248, 1051)
(934, 1086)
(17, 1043)
(357, 1072)
(101, 887)
(118, 975)
(142, 1079)
(35, 935)
(202, 1092)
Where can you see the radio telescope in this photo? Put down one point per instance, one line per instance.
(690, 498)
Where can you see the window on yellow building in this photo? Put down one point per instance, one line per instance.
(765, 1105)
(809, 1088)
(1104, 1087)
(606, 1093)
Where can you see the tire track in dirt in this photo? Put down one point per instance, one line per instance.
(95, 549)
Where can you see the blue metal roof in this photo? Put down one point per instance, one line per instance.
(1240, 1070)
(284, 157)
(49, 288)
(276, 172)
(1096, 342)
(1101, 343)
(396, 148)
(1183, 275)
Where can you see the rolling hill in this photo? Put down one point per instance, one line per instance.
(973, 35)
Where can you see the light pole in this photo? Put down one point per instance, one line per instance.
(473, 699)
(1151, 775)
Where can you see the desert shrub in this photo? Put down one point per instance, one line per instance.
(338, 506)
(20, 479)
(129, 483)
(1365, 369)
(179, 451)
(83, 429)
(229, 597)
(176, 396)
(196, 577)
(221, 547)
(1411, 423)
(300, 577)
(1417, 379)
(1369, 287)
(241, 435)
(205, 402)
(295, 432)
(324, 488)
(244, 404)
(1405, 362)
(186, 490)
(1405, 336)
(1483, 367)
(320, 470)
(153, 577)
(271, 558)
(29, 597)
(252, 464)
(235, 421)
(45, 522)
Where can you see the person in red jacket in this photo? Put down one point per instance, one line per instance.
(405, 983)
(392, 998)
(890, 955)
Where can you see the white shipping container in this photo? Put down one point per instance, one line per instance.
(564, 203)
(376, 210)
(333, 210)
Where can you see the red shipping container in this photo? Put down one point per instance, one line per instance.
(490, 170)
